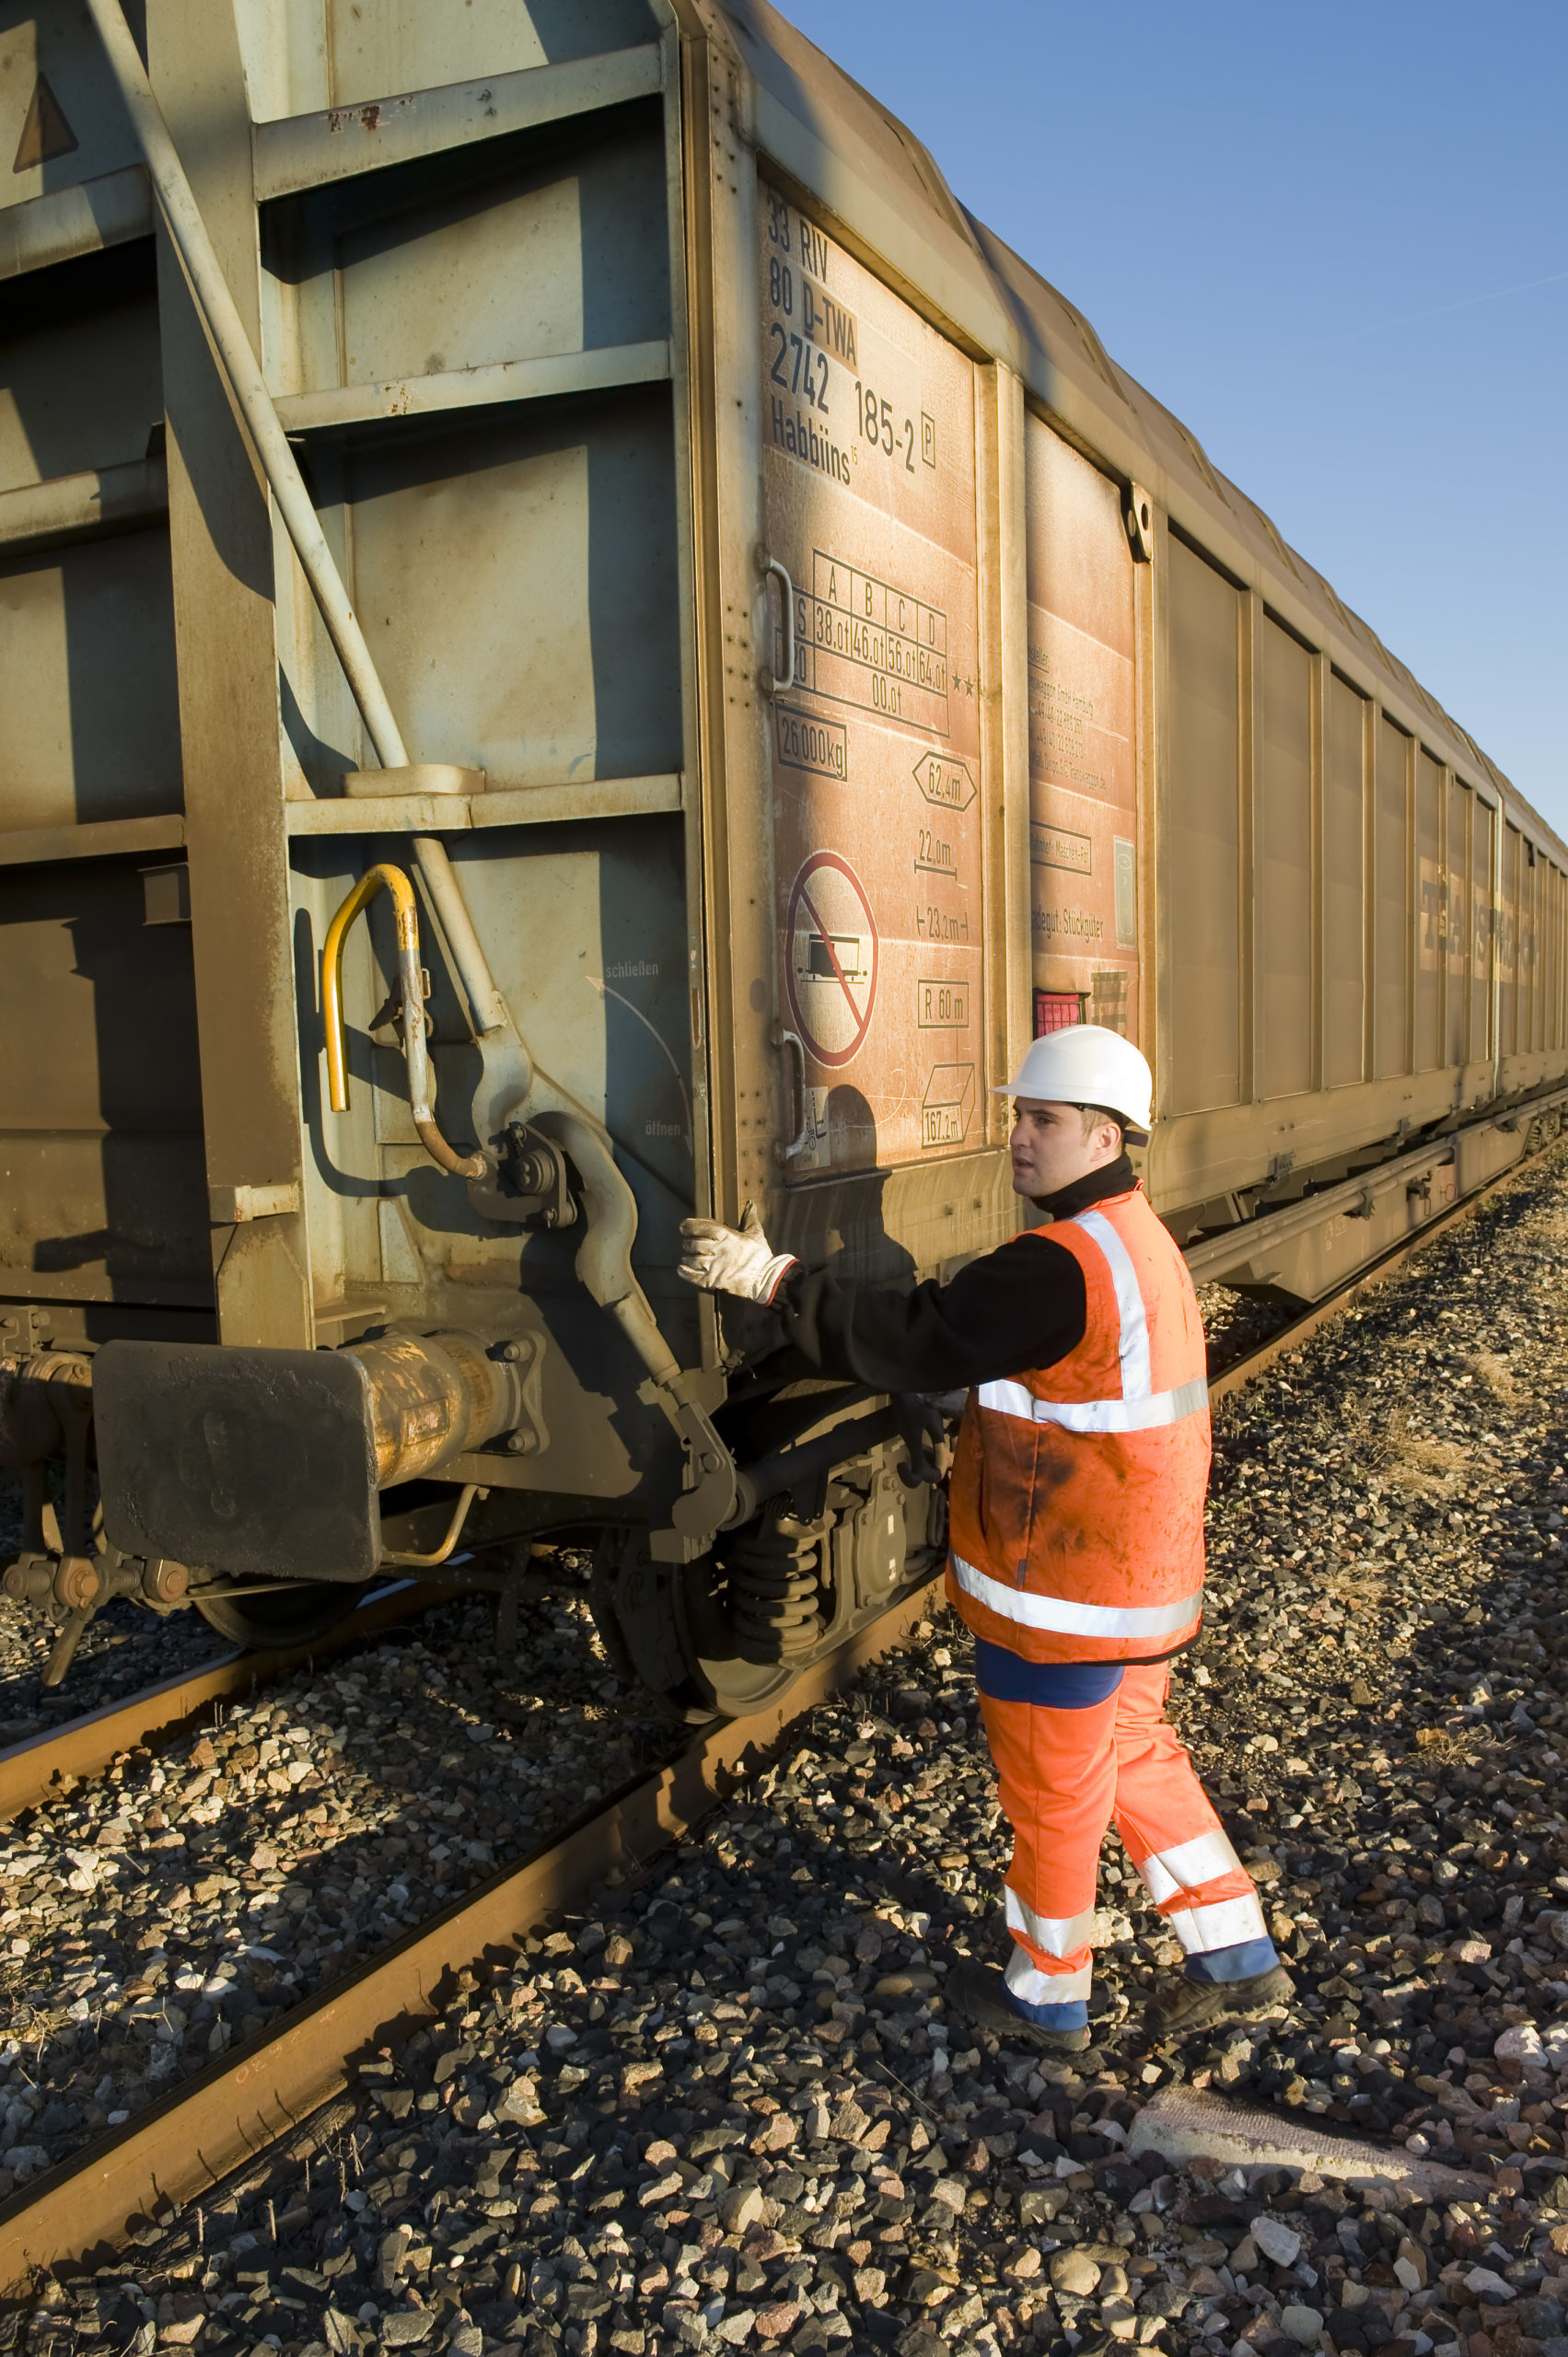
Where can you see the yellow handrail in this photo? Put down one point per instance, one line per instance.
(387, 878)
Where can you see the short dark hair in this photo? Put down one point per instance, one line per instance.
(1094, 1114)
(1125, 1132)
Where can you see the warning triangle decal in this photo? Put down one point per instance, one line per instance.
(46, 134)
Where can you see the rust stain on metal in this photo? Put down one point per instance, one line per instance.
(366, 118)
(215, 2123)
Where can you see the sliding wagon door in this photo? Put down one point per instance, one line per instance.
(868, 444)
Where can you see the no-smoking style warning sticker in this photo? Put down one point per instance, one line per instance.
(831, 974)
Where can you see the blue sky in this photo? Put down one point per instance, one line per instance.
(1335, 242)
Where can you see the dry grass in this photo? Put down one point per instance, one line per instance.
(1356, 1586)
(1386, 1448)
(1498, 1375)
(1441, 1746)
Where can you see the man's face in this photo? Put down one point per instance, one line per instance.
(1050, 1149)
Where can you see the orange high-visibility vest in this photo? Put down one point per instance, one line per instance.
(1076, 1510)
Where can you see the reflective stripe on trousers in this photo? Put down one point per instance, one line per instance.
(1205, 1893)
(1223, 1924)
(1059, 1936)
(1025, 1979)
(1063, 1775)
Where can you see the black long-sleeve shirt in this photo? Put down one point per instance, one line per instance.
(1022, 1306)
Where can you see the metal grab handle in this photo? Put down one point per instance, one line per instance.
(767, 563)
(782, 1039)
(385, 878)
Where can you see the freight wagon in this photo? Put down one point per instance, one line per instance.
(580, 642)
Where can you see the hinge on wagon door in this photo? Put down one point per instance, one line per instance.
(1139, 517)
(23, 1331)
(1280, 1167)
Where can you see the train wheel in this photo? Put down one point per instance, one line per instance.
(731, 1673)
(633, 1605)
(279, 1616)
(721, 1638)
(730, 1633)
(646, 1628)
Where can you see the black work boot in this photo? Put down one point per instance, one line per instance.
(979, 1994)
(1183, 2006)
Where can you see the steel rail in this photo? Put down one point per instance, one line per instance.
(228, 2113)
(31, 1770)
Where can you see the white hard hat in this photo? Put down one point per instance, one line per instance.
(1085, 1064)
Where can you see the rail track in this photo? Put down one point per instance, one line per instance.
(32, 1769)
(226, 2114)
(221, 2119)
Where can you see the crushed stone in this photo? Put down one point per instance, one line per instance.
(726, 2108)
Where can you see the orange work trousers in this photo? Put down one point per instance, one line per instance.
(1063, 1775)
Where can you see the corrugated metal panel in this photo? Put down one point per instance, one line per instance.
(1537, 973)
(1457, 921)
(887, 187)
(1203, 832)
(1392, 918)
(87, 683)
(1483, 1034)
(1083, 766)
(1428, 912)
(868, 471)
(1343, 863)
(100, 1113)
(79, 131)
(81, 382)
(1285, 916)
(1511, 1017)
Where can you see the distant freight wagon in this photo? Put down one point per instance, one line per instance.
(580, 642)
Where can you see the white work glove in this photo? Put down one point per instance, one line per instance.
(738, 1260)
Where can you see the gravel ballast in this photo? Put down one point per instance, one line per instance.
(152, 1916)
(726, 2108)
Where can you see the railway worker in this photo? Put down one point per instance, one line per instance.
(1076, 1527)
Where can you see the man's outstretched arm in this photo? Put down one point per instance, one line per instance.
(1022, 1306)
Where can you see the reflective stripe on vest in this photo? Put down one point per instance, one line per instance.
(1125, 1415)
(1141, 1408)
(1067, 1615)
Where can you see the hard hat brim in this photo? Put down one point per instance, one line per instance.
(1132, 1132)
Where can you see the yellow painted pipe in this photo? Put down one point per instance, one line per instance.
(387, 878)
